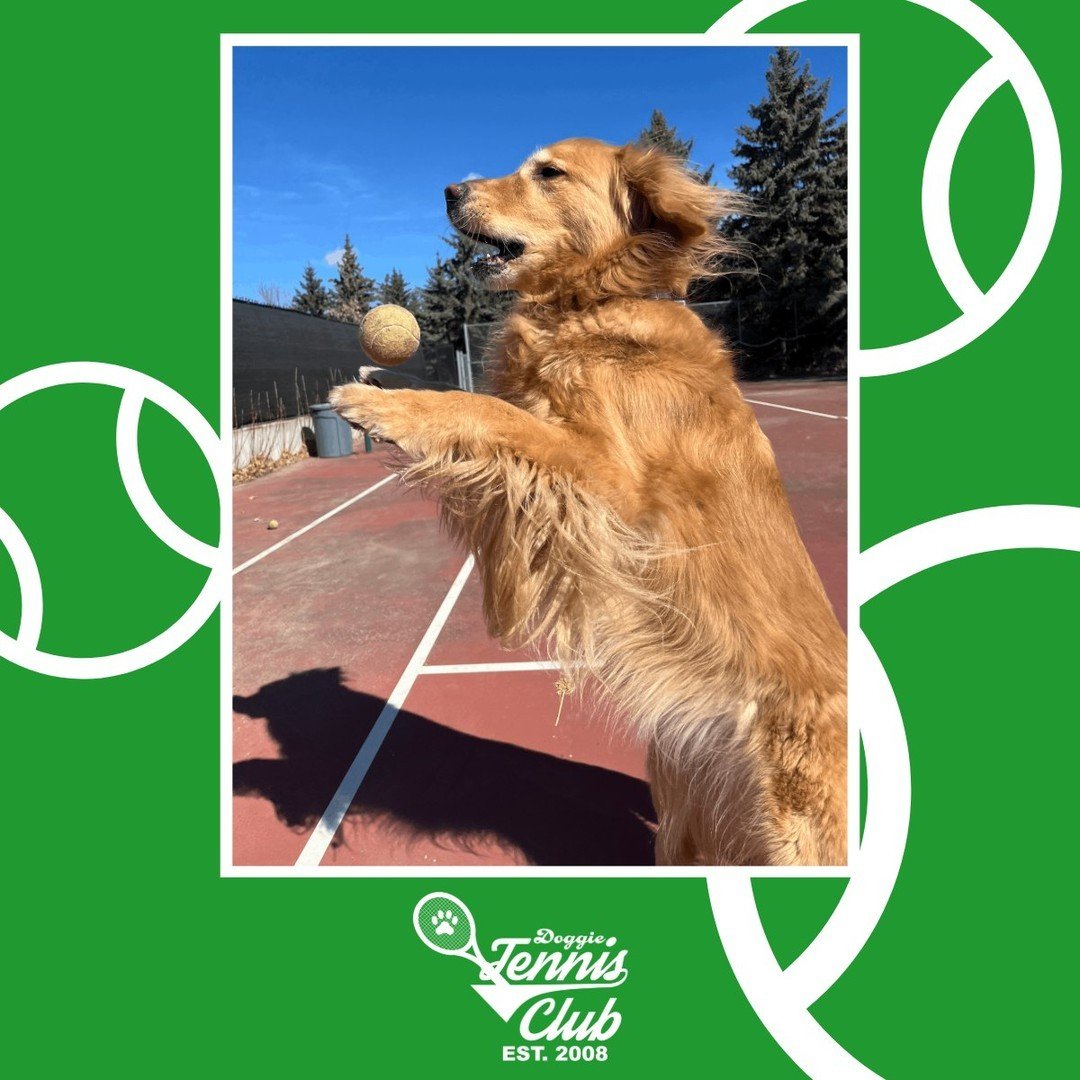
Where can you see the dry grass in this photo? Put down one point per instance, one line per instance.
(264, 463)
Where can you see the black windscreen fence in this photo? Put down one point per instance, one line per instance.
(285, 361)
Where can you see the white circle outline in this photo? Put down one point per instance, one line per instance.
(26, 572)
(142, 498)
(781, 998)
(1008, 63)
(137, 386)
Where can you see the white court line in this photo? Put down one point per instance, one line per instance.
(318, 521)
(334, 814)
(471, 669)
(791, 408)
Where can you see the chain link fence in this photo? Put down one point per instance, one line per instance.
(767, 337)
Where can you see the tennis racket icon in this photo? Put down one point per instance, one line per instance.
(445, 924)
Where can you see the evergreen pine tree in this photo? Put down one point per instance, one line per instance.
(311, 296)
(353, 292)
(437, 304)
(454, 295)
(665, 137)
(792, 165)
(829, 255)
(395, 290)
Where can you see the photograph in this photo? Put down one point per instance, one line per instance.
(540, 456)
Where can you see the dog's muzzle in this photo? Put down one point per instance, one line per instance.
(455, 194)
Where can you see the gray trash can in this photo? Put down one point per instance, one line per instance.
(333, 436)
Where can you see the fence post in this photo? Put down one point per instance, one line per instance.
(468, 385)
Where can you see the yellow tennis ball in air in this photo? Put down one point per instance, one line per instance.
(389, 334)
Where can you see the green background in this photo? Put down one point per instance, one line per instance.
(124, 949)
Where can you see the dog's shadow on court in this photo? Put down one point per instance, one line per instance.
(431, 781)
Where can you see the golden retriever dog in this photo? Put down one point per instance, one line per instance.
(625, 508)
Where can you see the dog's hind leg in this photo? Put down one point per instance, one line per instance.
(709, 813)
(674, 840)
(803, 760)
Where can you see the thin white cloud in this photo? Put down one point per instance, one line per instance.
(333, 258)
(472, 176)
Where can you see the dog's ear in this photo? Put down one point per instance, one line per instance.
(661, 194)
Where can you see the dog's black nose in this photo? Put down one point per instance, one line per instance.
(455, 193)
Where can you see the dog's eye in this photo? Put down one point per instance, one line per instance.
(549, 172)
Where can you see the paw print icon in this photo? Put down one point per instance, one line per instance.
(444, 922)
(445, 925)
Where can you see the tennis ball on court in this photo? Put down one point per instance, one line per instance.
(272, 523)
(389, 334)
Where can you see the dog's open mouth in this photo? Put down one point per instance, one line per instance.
(505, 252)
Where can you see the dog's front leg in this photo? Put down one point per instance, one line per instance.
(402, 417)
(537, 503)
(429, 425)
(423, 422)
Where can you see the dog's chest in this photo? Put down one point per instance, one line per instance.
(538, 372)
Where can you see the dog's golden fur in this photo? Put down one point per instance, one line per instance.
(625, 507)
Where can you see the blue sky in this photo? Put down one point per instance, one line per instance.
(363, 140)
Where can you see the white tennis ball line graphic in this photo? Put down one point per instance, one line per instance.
(782, 998)
(138, 387)
(1007, 64)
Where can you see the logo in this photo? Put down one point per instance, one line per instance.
(558, 986)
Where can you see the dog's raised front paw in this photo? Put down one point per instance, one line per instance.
(381, 413)
(355, 402)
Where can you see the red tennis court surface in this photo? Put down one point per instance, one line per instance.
(374, 721)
